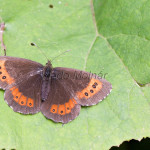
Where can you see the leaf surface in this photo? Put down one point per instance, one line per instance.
(105, 37)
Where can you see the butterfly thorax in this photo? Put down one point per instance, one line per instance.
(47, 72)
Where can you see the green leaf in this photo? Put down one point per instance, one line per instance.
(108, 37)
(125, 25)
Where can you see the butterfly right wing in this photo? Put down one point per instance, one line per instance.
(69, 90)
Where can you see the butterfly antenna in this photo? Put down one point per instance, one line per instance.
(33, 44)
(60, 55)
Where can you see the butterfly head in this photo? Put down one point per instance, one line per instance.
(49, 64)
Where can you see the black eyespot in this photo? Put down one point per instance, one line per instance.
(95, 83)
(86, 94)
(91, 91)
(93, 86)
(4, 77)
(0, 72)
(61, 112)
(67, 108)
(50, 6)
(22, 102)
(0, 67)
(16, 96)
(30, 104)
(53, 110)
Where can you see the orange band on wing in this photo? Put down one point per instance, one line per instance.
(4, 76)
(68, 109)
(54, 108)
(64, 108)
(21, 99)
(93, 87)
(61, 110)
(16, 94)
(30, 102)
(71, 103)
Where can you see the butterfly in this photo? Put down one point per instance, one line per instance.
(57, 92)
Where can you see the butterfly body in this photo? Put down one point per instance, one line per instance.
(46, 75)
(57, 92)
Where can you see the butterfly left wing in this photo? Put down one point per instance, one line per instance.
(21, 80)
(70, 89)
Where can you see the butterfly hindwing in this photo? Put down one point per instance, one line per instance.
(60, 105)
(24, 97)
(21, 78)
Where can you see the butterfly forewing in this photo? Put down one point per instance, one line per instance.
(13, 69)
(87, 88)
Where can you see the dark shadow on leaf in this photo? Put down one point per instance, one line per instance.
(144, 144)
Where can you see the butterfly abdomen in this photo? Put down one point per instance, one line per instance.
(46, 82)
(45, 89)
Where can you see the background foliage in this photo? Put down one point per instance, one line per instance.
(105, 36)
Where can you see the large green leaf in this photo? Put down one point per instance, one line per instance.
(108, 37)
(125, 25)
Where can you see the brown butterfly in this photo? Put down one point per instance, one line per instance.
(58, 93)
